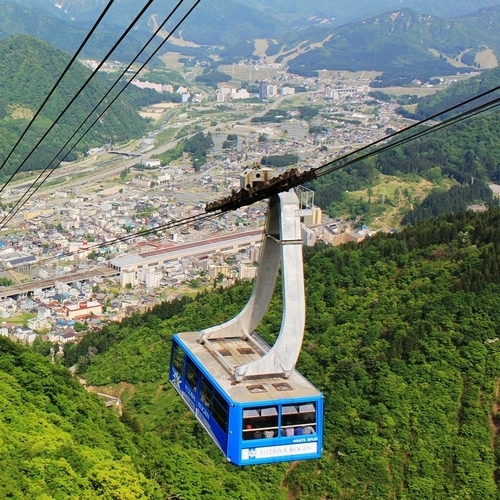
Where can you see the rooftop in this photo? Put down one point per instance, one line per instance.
(238, 352)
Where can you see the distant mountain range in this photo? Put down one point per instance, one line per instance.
(64, 33)
(292, 11)
(403, 44)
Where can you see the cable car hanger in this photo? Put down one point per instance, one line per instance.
(282, 242)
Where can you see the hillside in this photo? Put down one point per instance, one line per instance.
(29, 69)
(64, 33)
(456, 94)
(344, 11)
(57, 440)
(401, 338)
(455, 156)
(403, 44)
(290, 11)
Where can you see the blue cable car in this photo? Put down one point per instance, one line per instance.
(247, 395)
(256, 421)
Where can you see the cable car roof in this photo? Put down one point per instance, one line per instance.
(238, 351)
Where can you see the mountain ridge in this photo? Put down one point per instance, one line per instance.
(402, 44)
(29, 69)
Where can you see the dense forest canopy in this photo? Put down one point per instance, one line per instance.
(29, 70)
(57, 440)
(401, 337)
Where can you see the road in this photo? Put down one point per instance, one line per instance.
(104, 166)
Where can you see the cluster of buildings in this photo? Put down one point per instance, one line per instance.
(53, 313)
(72, 231)
(266, 90)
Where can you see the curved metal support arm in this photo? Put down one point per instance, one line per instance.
(283, 242)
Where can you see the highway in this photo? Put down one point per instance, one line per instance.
(104, 165)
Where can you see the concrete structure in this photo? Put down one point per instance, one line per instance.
(151, 162)
(214, 270)
(315, 218)
(240, 94)
(21, 261)
(272, 90)
(148, 85)
(150, 277)
(287, 90)
(329, 236)
(128, 278)
(263, 89)
(308, 236)
(246, 272)
(32, 214)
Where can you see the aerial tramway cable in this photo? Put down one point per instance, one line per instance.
(332, 168)
(52, 90)
(324, 169)
(120, 39)
(54, 162)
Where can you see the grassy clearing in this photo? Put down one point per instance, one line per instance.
(244, 73)
(392, 197)
(165, 136)
(21, 319)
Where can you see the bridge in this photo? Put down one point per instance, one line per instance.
(124, 153)
(25, 288)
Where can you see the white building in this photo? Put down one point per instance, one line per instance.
(215, 269)
(246, 272)
(153, 278)
(127, 278)
(151, 162)
(240, 94)
(272, 90)
(287, 90)
(82, 309)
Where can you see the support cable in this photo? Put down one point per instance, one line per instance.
(13, 211)
(63, 74)
(149, 2)
(186, 222)
(206, 217)
(339, 163)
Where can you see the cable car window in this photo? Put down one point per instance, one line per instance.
(192, 375)
(298, 419)
(214, 403)
(260, 423)
(178, 359)
(206, 392)
(219, 411)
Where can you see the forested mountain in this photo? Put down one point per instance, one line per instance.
(401, 337)
(467, 152)
(403, 44)
(457, 93)
(398, 42)
(28, 70)
(57, 440)
(212, 22)
(296, 11)
(344, 11)
(67, 35)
